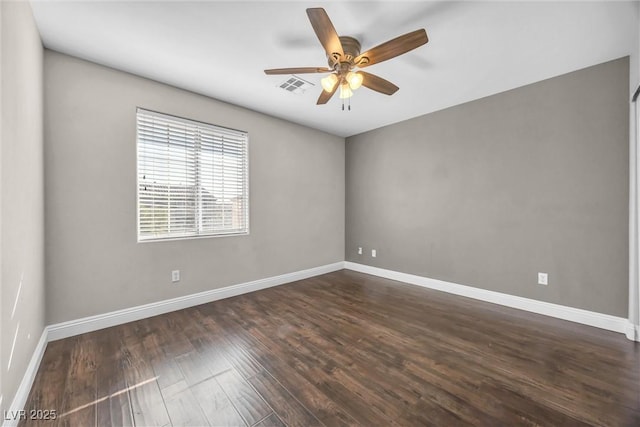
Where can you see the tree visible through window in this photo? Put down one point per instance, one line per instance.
(192, 178)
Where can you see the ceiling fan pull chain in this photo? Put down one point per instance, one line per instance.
(349, 104)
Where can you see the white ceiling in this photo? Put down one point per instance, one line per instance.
(219, 49)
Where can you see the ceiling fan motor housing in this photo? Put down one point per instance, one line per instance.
(351, 49)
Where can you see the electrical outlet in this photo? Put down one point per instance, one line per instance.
(543, 279)
(175, 276)
(359, 250)
(374, 253)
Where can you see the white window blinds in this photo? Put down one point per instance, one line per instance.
(192, 178)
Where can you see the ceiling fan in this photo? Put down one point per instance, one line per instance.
(343, 54)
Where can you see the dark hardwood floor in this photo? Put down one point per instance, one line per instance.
(342, 348)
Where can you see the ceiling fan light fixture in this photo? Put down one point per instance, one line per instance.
(329, 82)
(343, 55)
(354, 79)
(345, 91)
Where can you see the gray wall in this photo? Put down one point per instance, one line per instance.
(93, 263)
(491, 192)
(634, 285)
(21, 181)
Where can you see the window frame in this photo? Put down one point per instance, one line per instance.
(198, 234)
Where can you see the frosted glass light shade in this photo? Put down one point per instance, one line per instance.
(354, 79)
(345, 91)
(329, 82)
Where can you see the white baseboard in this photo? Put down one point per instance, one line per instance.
(106, 320)
(20, 398)
(633, 332)
(598, 320)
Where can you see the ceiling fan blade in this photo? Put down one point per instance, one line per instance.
(392, 48)
(326, 96)
(299, 70)
(378, 84)
(325, 31)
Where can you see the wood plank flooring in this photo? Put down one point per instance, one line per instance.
(342, 349)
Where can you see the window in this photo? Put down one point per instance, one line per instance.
(192, 178)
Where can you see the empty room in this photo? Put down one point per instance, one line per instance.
(262, 213)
